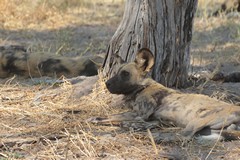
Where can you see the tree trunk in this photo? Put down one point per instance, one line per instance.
(163, 26)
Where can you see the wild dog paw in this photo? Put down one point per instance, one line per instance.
(140, 125)
(95, 120)
(185, 133)
(185, 137)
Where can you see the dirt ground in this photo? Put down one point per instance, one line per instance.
(43, 118)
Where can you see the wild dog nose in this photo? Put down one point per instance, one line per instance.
(108, 84)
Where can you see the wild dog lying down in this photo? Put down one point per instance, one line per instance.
(197, 114)
(17, 60)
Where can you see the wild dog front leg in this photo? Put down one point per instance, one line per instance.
(135, 119)
(127, 116)
(127, 120)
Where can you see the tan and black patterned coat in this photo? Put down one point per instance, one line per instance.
(196, 114)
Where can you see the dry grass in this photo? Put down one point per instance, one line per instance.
(48, 122)
(45, 123)
(43, 14)
(215, 38)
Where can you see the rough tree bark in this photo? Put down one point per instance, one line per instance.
(163, 26)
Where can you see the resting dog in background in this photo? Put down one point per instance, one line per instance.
(17, 60)
(228, 6)
(197, 114)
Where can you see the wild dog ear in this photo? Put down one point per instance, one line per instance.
(144, 59)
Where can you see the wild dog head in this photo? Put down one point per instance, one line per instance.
(130, 75)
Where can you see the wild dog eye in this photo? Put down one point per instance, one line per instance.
(125, 73)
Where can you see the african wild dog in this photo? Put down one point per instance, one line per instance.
(231, 77)
(17, 60)
(228, 6)
(199, 115)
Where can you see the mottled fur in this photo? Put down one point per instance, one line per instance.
(197, 114)
(228, 6)
(231, 77)
(17, 60)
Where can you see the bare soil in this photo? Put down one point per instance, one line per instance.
(45, 119)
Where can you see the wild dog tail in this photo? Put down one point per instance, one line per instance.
(231, 135)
